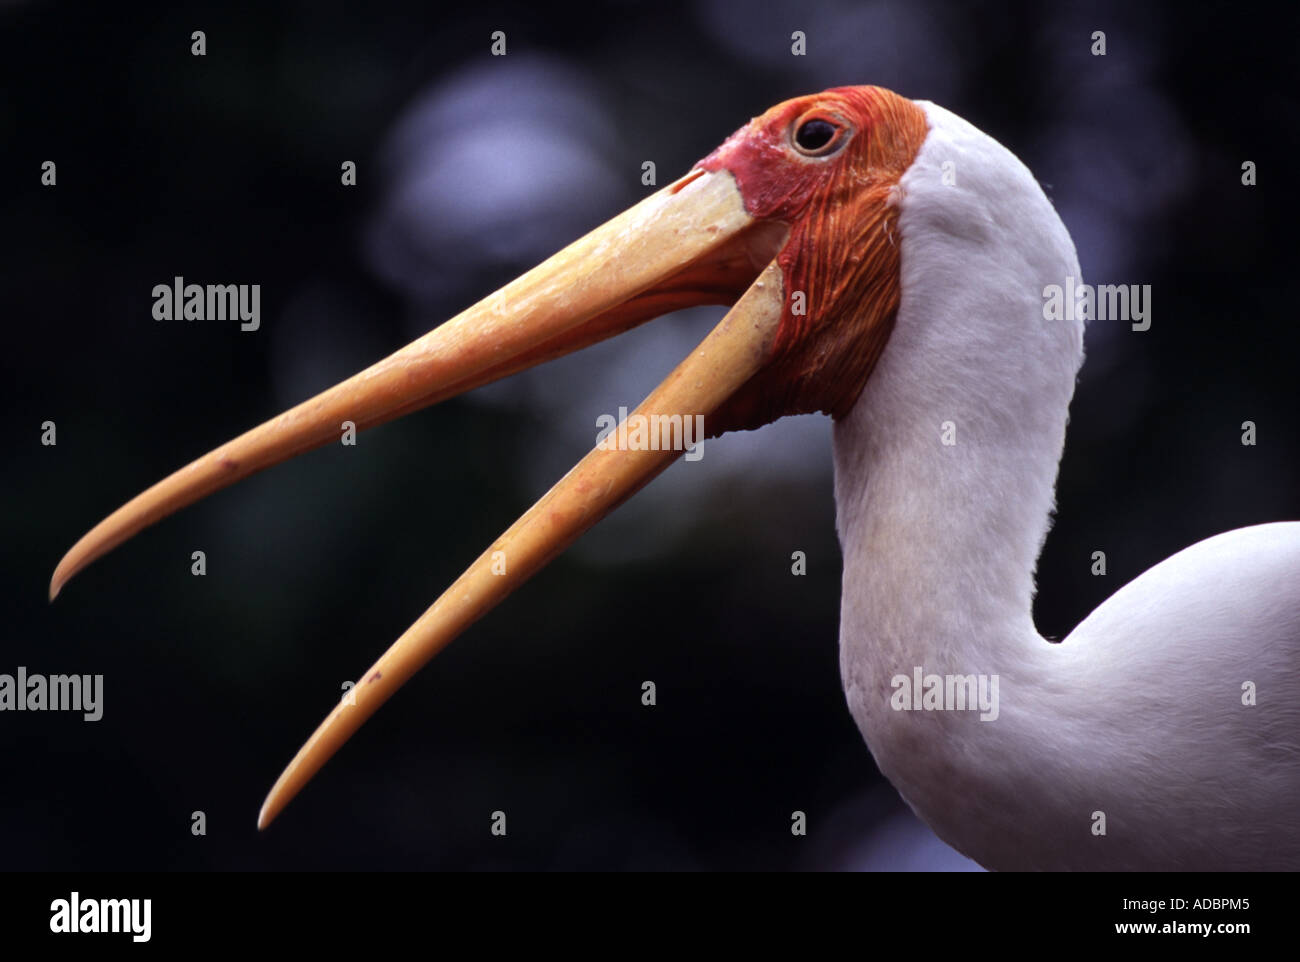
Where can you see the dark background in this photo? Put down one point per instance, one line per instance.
(225, 169)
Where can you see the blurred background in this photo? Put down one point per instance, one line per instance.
(471, 168)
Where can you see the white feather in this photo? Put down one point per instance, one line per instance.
(1138, 716)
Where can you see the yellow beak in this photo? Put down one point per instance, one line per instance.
(690, 243)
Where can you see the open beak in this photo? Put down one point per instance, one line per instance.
(690, 243)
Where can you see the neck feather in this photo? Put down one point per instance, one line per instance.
(945, 466)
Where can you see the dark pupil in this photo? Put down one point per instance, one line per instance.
(814, 134)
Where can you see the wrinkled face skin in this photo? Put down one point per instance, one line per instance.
(828, 166)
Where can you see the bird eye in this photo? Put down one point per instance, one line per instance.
(817, 137)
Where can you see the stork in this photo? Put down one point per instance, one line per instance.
(886, 263)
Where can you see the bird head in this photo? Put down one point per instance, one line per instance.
(827, 166)
(792, 221)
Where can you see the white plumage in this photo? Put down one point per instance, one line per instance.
(1138, 715)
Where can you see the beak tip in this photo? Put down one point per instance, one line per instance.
(66, 570)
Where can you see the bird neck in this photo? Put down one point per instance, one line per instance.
(939, 540)
(939, 546)
(945, 470)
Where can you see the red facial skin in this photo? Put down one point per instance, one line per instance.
(842, 250)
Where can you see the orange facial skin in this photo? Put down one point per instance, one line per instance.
(842, 251)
